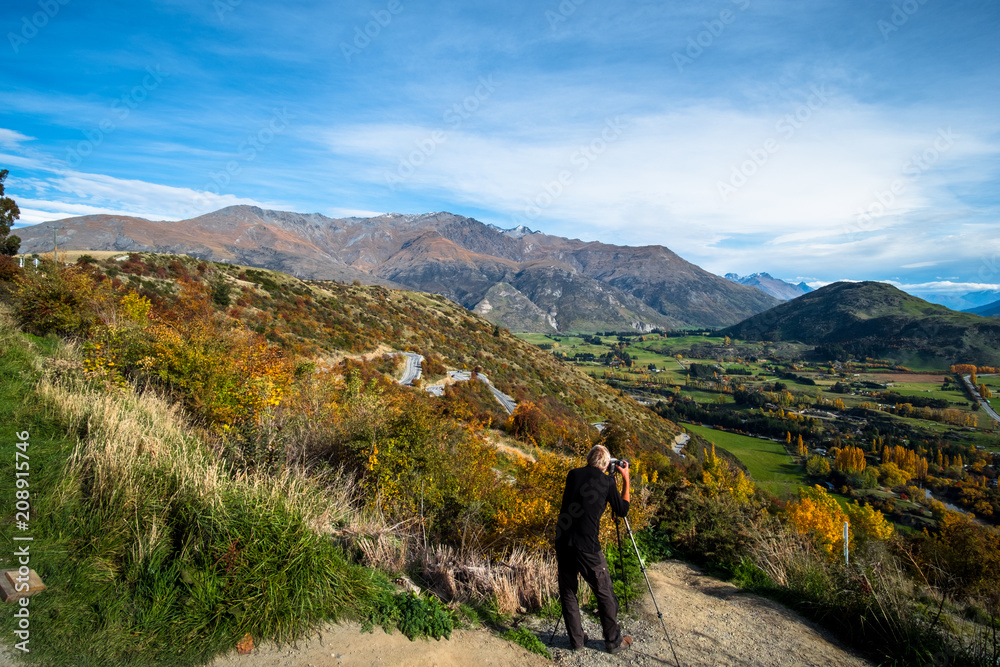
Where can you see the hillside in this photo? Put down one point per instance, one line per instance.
(327, 321)
(877, 320)
(571, 284)
(220, 455)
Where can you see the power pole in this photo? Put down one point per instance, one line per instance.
(55, 247)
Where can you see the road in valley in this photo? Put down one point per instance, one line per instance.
(982, 401)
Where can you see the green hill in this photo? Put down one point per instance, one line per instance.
(219, 452)
(877, 320)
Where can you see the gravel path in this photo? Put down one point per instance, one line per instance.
(711, 624)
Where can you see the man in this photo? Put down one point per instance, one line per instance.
(578, 551)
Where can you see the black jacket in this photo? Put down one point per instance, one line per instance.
(588, 492)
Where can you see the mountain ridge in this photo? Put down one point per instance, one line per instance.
(779, 289)
(581, 283)
(877, 320)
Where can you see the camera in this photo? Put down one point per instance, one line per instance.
(617, 464)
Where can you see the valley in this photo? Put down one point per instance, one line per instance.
(755, 400)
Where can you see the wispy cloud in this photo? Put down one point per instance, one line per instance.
(800, 140)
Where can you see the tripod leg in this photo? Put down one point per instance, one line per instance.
(642, 566)
(555, 627)
(621, 563)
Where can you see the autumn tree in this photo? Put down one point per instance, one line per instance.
(818, 466)
(850, 460)
(9, 212)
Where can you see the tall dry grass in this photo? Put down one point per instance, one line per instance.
(521, 581)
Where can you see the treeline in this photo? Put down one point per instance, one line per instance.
(686, 410)
(970, 369)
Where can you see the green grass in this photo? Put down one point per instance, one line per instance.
(141, 566)
(527, 639)
(771, 467)
(929, 390)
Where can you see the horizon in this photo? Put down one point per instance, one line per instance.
(814, 286)
(849, 140)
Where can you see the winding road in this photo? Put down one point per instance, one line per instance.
(982, 401)
(413, 369)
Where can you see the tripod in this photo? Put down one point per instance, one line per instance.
(642, 567)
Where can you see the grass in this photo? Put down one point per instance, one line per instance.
(771, 467)
(528, 640)
(152, 552)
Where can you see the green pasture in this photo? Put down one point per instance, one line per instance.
(769, 464)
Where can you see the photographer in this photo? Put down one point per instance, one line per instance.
(578, 551)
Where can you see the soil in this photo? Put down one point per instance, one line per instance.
(907, 377)
(710, 623)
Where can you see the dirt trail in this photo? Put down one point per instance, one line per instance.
(711, 623)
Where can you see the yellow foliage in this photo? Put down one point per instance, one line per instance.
(850, 460)
(818, 514)
(868, 522)
(719, 476)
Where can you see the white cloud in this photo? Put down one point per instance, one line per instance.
(74, 193)
(352, 213)
(12, 137)
(658, 181)
(945, 287)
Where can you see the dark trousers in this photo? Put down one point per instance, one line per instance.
(594, 569)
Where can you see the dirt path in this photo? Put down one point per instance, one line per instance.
(711, 623)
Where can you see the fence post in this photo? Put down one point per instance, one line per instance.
(847, 557)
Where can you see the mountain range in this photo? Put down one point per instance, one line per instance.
(989, 310)
(966, 302)
(871, 319)
(520, 279)
(779, 289)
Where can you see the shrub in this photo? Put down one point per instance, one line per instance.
(415, 615)
(527, 640)
(59, 300)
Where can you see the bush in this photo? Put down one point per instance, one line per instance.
(63, 301)
(414, 615)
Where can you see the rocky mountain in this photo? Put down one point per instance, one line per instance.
(524, 280)
(779, 289)
(877, 320)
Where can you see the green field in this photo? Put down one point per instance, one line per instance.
(769, 465)
(929, 390)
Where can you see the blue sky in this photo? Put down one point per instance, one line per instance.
(851, 139)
